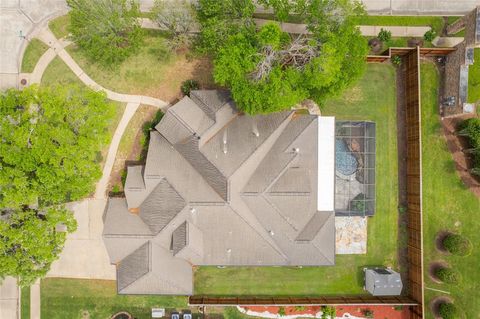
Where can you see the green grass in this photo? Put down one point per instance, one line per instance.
(25, 303)
(447, 205)
(372, 99)
(33, 52)
(474, 79)
(436, 22)
(59, 26)
(73, 298)
(58, 72)
(135, 75)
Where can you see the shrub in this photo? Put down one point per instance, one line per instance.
(368, 313)
(188, 86)
(447, 310)
(457, 244)
(429, 35)
(281, 311)
(447, 275)
(328, 312)
(396, 60)
(384, 35)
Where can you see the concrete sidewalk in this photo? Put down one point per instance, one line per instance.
(420, 7)
(9, 299)
(397, 31)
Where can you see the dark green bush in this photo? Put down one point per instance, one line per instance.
(470, 128)
(384, 35)
(189, 85)
(396, 60)
(447, 275)
(429, 35)
(457, 244)
(368, 313)
(447, 310)
(281, 311)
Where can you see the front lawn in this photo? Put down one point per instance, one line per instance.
(447, 205)
(77, 298)
(153, 71)
(33, 52)
(373, 98)
(25, 303)
(474, 78)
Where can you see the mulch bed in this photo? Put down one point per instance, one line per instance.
(435, 305)
(379, 312)
(434, 266)
(456, 144)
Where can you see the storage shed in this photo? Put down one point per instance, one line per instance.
(383, 282)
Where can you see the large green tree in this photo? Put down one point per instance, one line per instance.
(107, 30)
(30, 240)
(51, 141)
(220, 19)
(268, 70)
(50, 153)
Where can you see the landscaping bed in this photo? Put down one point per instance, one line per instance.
(474, 79)
(133, 145)
(448, 205)
(373, 98)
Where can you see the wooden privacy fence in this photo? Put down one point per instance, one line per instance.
(415, 298)
(303, 301)
(424, 52)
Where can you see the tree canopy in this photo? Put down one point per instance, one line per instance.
(269, 70)
(107, 30)
(49, 155)
(51, 141)
(29, 242)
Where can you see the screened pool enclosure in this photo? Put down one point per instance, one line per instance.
(354, 168)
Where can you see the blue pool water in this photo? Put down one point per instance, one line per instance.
(345, 162)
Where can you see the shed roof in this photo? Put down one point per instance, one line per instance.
(383, 282)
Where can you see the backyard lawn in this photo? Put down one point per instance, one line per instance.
(447, 205)
(96, 299)
(474, 79)
(372, 99)
(33, 52)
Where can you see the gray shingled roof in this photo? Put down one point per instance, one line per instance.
(133, 267)
(179, 238)
(215, 185)
(210, 101)
(383, 282)
(161, 206)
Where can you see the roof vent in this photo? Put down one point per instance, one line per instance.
(225, 142)
(255, 129)
(296, 150)
(193, 210)
(229, 250)
(271, 233)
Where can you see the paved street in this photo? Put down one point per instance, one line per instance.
(19, 19)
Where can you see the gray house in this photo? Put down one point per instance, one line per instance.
(383, 282)
(226, 189)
